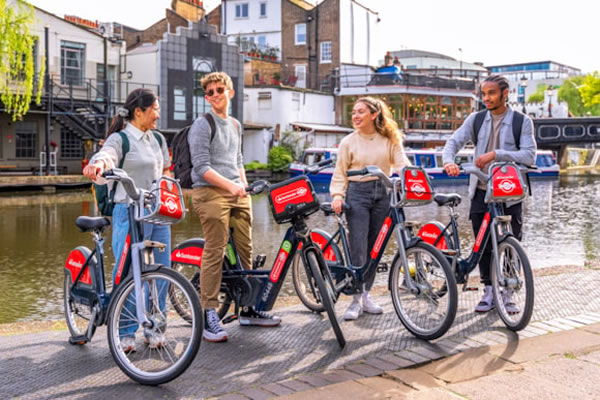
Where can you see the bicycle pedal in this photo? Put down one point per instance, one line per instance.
(382, 267)
(78, 340)
(469, 289)
(259, 261)
(229, 319)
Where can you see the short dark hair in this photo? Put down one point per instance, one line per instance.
(499, 79)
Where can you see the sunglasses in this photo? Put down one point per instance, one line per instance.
(211, 92)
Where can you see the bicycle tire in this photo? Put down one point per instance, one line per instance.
(161, 364)
(518, 269)
(324, 293)
(192, 273)
(300, 275)
(77, 315)
(439, 299)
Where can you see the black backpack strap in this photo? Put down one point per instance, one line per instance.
(158, 138)
(517, 125)
(124, 150)
(479, 118)
(211, 123)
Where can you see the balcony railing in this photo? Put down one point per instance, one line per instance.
(404, 79)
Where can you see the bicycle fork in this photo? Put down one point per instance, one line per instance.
(501, 227)
(138, 249)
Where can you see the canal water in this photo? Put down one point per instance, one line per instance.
(38, 231)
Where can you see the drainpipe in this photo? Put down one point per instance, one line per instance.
(49, 100)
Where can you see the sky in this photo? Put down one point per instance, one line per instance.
(494, 33)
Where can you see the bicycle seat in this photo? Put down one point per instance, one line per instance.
(451, 199)
(87, 224)
(327, 210)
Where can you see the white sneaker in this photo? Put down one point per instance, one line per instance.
(369, 306)
(156, 340)
(128, 344)
(353, 311)
(487, 300)
(509, 305)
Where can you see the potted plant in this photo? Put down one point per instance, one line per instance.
(276, 78)
(272, 53)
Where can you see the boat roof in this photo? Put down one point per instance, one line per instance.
(410, 151)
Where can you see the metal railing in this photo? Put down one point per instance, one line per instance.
(405, 80)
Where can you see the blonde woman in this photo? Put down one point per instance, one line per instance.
(377, 141)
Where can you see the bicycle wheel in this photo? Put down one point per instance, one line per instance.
(325, 293)
(192, 273)
(77, 314)
(175, 339)
(429, 313)
(305, 289)
(513, 287)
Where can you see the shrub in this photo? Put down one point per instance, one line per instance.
(254, 165)
(279, 158)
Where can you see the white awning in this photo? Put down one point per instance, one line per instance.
(323, 127)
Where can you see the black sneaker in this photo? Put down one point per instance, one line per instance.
(212, 327)
(249, 316)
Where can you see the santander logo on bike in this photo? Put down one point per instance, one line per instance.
(430, 235)
(185, 256)
(171, 205)
(417, 189)
(290, 195)
(75, 264)
(507, 186)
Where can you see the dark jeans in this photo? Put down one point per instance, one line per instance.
(370, 204)
(478, 210)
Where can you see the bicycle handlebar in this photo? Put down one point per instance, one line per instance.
(470, 168)
(371, 170)
(119, 175)
(257, 187)
(315, 168)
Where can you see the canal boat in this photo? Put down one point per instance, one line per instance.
(430, 159)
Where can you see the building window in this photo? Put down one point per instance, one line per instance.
(325, 52)
(70, 145)
(26, 139)
(241, 10)
(72, 63)
(262, 42)
(300, 34)
(263, 9)
(202, 67)
(264, 100)
(179, 103)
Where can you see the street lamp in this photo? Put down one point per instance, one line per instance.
(524, 86)
(550, 94)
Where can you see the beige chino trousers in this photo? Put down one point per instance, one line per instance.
(218, 211)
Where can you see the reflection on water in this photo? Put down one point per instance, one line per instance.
(38, 231)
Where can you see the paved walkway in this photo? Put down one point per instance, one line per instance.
(303, 354)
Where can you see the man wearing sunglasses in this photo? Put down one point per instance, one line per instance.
(220, 200)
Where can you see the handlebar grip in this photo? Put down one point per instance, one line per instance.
(357, 172)
(325, 162)
(108, 172)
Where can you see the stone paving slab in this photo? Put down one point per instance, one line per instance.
(303, 345)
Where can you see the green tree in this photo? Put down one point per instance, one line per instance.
(590, 90)
(279, 158)
(573, 90)
(17, 74)
(538, 95)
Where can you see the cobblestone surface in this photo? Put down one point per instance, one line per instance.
(302, 351)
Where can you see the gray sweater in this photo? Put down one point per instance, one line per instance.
(223, 154)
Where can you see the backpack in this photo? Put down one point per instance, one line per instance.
(182, 159)
(104, 197)
(517, 124)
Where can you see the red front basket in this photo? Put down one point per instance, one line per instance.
(416, 188)
(293, 198)
(507, 183)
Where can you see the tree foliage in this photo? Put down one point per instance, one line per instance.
(590, 90)
(279, 158)
(538, 95)
(582, 94)
(17, 74)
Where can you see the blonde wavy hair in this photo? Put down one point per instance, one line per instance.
(384, 122)
(217, 77)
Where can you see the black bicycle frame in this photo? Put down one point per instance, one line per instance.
(271, 280)
(394, 218)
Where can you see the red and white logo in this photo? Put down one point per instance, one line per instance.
(382, 233)
(171, 205)
(484, 225)
(507, 186)
(185, 256)
(417, 189)
(430, 235)
(75, 264)
(290, 195)
(281, 257)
